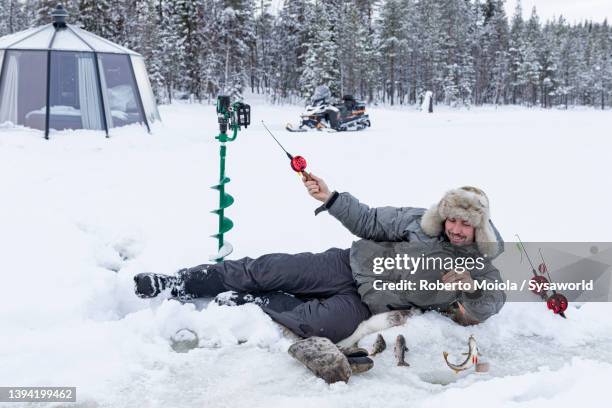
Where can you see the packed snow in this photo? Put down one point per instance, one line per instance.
(82, 214)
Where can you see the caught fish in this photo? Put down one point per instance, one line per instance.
(376, 323)
(471, 359)
(379, 345)
(400, 351)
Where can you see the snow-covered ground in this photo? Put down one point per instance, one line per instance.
(81, 214)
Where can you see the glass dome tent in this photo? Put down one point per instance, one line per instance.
(58, 76)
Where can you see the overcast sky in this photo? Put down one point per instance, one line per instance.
(572, 10)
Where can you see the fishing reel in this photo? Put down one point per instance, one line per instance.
(298, 163)
(231, 116)
(556, 302)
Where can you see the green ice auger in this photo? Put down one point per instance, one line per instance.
(231, 116)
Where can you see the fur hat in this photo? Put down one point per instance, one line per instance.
(467, 203)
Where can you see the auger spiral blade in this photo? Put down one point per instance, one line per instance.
(224, 251)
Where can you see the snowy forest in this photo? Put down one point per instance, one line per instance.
(468, 52)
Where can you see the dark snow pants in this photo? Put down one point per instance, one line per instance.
(325, 301)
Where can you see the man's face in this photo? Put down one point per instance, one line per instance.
(459, 231)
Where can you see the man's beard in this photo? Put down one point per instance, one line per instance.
(457, 239)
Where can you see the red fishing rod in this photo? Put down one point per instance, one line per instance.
(297, 163)
(557, 302)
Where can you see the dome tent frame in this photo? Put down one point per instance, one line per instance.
(89, 82)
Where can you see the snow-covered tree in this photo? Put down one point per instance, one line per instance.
(457, 78)
(95, 16)
(288, 47)
(531, 68)
(163, 64)
(262, 55)
(465, 51)
(515, 53)
(17, 15)
(392, 47)
(321, 65)
(188, 21)
(602, 63)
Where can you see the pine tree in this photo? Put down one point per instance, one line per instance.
(367, 64)
(141, 31)
(567, 62)
(163, 64)
(289, 38)
(496, 26)
(531, 67)
(348, 47)
(515, 53)
(392, 46)
(431, 54)
(4, 22)
(187, 19)
(321, 58)
(237, 40)
(456, 61)
(262, 70)
(94, 16)
(602, 64)
(549, 64)
(24, 14)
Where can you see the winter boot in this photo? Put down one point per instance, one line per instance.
(149, 285)
(189, 283)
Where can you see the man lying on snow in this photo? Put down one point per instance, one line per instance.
(329, 294)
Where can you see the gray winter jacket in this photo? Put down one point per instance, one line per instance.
(387, 231)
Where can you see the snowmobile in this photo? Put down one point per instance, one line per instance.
(349, 114)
